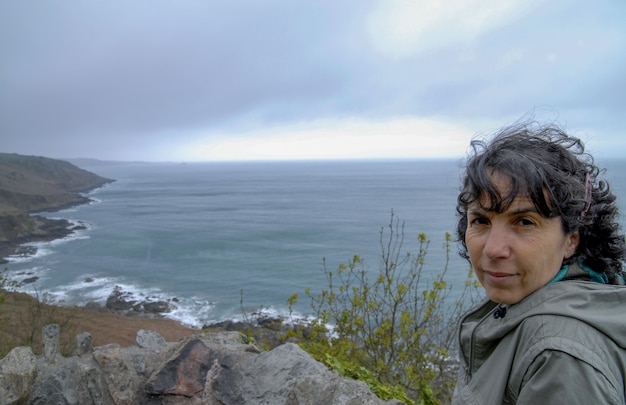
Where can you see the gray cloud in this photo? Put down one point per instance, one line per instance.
(105, 79)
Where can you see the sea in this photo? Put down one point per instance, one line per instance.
(222, 240)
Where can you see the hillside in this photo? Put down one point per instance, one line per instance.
(30, 184)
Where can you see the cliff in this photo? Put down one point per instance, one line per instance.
(30, 184)
(209, 368)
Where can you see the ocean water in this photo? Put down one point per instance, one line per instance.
(204, 235)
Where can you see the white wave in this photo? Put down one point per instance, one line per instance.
(284, 314)
(77, 235)
(89, 288)
(26, 255)
(193, 312)
(64, 211)
(19, 276)
(139, 293)
(34, 250)
(97, 189)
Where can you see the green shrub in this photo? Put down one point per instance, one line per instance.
(392, 329)
(5, 284)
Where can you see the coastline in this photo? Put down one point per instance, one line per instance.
(43, 230)
(31, 185)
(32, 227)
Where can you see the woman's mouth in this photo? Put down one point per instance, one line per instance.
(498, 277)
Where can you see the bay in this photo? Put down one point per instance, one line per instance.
(203, 235)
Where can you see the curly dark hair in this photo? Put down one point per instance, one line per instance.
(554, 171)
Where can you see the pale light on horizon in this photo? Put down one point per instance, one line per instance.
(344, 139)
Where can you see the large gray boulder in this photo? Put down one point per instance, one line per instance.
(121, 378)
(17, 373)
(69, 382)
(286, 375)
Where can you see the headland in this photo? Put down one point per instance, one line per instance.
(35, 184)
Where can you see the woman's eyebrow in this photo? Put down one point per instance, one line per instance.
(525, 209)
(530, 209)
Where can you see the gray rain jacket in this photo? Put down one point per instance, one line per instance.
(563, 344)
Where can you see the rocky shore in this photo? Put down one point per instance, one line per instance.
(270, 331)
(31, 184)
(36, 229)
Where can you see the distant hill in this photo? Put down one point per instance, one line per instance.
(87, 162)
(31, 184)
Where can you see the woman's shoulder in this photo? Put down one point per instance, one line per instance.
(561, 329)
(583, 319)
(574, 298)
(583, 311)
(578, 350)
(591, 335)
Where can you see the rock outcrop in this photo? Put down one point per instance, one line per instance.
(31, 184)
(210, 368)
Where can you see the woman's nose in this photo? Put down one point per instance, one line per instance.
(497, 243)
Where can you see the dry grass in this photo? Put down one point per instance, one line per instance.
(22, 318)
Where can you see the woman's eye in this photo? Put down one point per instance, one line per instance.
(526, 222)
(479, 221)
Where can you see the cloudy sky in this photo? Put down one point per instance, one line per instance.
(283, 79)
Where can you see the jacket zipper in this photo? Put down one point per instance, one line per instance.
(470, 363)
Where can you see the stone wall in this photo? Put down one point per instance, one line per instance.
(215, 368)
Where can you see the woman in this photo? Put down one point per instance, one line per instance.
(540, 230)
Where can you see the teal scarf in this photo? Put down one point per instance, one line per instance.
(593, 275)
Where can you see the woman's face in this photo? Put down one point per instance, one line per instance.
(518, 251)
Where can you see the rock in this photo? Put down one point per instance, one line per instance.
(284, 375)
(17, 373)
(30, 280)
(119, 300)
(82, 344)
(80, 227)
(225, 325)
(267, 378)
(197, 363)
(121, 380)
(125, 303)
(272, 331)
(155, 307)
(150, 340)
(68, 383)
(327, 388)
(25, 250)
(50, 339)
(185, 373)
(95, 306)
(94, 382)
(270, 322)
(209, 368)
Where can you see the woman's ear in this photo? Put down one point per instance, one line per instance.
(571, 244)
